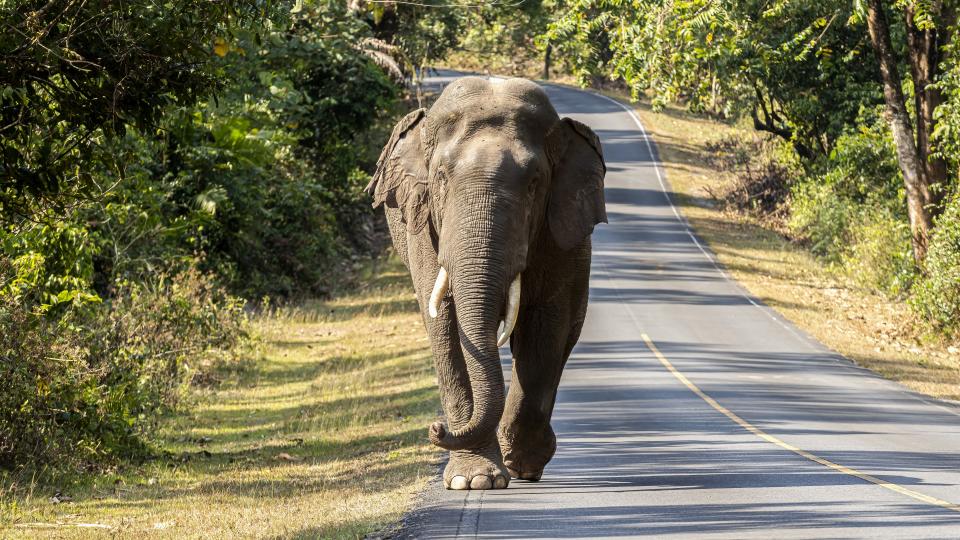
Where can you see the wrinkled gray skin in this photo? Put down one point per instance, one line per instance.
(489, 183)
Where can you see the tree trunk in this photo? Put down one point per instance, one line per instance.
(546, 62)
(913, 169)
(923, 49)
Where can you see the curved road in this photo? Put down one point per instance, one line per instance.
(688, 409)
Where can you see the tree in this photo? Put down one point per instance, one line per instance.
(423, 31)
(915, 178)
(790, 65)
(73, 73)
(929, 29)
(928, 26)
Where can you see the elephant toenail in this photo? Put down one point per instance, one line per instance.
(481, 482)
(459, 482)
(500, 482)
(533, 477)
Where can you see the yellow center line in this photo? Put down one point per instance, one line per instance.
(787, 446)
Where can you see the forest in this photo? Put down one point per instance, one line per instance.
(170, 170)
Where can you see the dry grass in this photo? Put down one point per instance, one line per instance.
(325, 437)
(872, 330)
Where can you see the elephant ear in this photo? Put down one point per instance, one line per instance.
(576, 201)
(400, 180)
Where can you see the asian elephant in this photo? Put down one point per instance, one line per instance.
(491, 198)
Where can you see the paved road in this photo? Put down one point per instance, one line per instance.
(689, 410)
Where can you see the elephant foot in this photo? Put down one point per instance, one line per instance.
(526, 457)
(532, 476)
(476, 469)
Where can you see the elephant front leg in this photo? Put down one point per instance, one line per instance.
(474, 468)
(541, 344)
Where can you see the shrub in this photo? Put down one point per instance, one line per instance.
(936, 296)
(85, 387)
(851, 209)
(126, 228)
(266, 180)
(821, 217)
(880, 254)
(76, 74)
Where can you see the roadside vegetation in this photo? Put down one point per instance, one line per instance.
(321, 436)
(162, 167)
(168, 172)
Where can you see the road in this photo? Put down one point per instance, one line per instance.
(689, 409)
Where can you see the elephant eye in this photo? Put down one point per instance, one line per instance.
(532, 182)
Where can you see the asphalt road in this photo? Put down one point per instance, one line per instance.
(688, 409)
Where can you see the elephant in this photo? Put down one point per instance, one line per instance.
(486, 192)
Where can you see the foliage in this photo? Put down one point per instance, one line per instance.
(936, 296)
(879, 256)
(261, 182)
(791, 64)
(947, 131)
(235, 164)
(268, 178)
(821, 218)
(74, 73)
(85, 387)
(424, 31)
(851, 209)
(505, 38)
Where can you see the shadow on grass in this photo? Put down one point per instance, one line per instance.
(276, 484)
(303, 425)
(278, 373)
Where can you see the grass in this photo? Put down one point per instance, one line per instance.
(324, 437)
(872, 330)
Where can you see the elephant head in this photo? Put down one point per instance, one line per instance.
(493, 171)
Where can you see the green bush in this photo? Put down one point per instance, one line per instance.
(819, 215)
(86, 387)
(76, 74)
(264, 183)
(116, 278)
(936, 296)
(880, 254)
(851, 209)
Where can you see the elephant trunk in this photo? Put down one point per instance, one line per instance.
(482, 257)
(479, 299)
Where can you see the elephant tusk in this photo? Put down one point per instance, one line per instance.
(439, 290)
(513, 309)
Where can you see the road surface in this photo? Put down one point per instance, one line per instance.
(688, 409)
